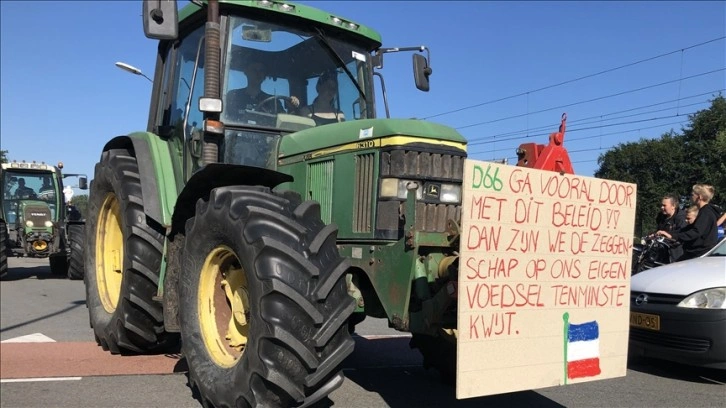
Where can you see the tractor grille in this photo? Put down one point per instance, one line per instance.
(433, 217)
(363, 195)
(320, 187)
(422, 165)
(417, 165)
(38, 215)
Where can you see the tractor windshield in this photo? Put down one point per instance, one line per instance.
(20, 186)
(292, 78)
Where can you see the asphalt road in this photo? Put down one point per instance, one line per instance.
(382, 372)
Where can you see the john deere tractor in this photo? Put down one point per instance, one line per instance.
(36, 221)
(258, 234)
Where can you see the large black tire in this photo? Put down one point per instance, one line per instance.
(263, 301)
(4, 242)
(76, 241)
(123, 261)
(58, 264)
(439, 353)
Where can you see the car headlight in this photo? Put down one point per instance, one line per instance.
(397, 188)
(714, 298)
(450, 193)
(49, 224)
(29, 224)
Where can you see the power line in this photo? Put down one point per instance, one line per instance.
(591, 100)
(582, 122)
(619, 132)
(575, 129)
(554, 125)
(574, 80)
(478, 142)
(598, 148)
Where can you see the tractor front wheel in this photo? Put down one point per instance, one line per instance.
(4, 242)
(58, 263)
(263, 301)
(76, 240)
(123, 261)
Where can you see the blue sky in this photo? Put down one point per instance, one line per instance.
(63, 98)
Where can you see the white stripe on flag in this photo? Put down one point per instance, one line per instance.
(581, 350)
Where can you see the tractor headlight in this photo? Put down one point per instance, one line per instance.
(450, 193)
(49, 224)
(397, 188)
(29, 224)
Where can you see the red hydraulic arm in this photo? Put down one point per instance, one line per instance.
(552, 157)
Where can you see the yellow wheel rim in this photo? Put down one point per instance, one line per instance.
(224, 306)
(40, 245)
(109, 253)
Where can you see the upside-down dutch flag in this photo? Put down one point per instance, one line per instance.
(582, 349)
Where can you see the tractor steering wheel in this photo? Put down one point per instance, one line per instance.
(261, 104)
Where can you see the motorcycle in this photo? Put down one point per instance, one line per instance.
(653, 251)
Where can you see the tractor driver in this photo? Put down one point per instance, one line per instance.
(47, 192)
(22, 191)
(251, 97)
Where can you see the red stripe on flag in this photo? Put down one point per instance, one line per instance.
(583, 368)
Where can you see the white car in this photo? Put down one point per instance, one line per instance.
(678, 311)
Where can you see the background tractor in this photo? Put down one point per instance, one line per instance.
(36, 221)
(259, 237)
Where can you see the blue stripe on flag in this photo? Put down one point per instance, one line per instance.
(583, 332)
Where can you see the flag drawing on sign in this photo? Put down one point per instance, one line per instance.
(582, 349)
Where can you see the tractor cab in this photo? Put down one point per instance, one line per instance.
(281, 68)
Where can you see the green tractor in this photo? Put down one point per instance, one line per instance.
(36, 221)
(259, 233)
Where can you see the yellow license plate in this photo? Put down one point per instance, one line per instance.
(645, 321)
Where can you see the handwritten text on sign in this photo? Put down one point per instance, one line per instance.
(536, 244)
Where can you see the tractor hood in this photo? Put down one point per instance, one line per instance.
(35, 215)
(367, 131)
(35, 205)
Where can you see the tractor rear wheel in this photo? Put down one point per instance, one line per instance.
(76, 238)
(58, 263)
(263, 301)
(4, 242)
(123, 260)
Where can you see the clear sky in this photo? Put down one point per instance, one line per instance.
(63, 98)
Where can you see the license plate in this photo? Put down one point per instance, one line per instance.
(645, 321)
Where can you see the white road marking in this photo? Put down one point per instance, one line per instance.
(30, 338)
(382, 336)
(46, 379)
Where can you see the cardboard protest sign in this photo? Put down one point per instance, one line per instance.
(544, 279)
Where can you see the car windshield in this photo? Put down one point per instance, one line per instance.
(269, 67)
(719, 249)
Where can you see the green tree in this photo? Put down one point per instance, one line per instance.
(3, 156)
(652, 165)
(81, 202)
(705, 149)
(672, 164)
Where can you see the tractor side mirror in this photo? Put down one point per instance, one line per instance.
(160, 19)
(421, 72)
(83, 183)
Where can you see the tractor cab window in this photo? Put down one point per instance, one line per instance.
(23, 186)
(47, 189)
(189, 68)
(272, 72)
(185, 64)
